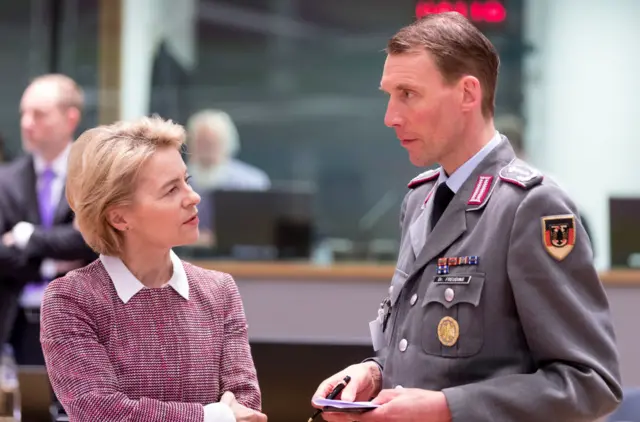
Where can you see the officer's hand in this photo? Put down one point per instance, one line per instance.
(242, 413)
(366, 381)
(408, 404)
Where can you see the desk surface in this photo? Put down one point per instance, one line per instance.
(355, 271)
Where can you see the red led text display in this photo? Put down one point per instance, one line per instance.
(488, 11)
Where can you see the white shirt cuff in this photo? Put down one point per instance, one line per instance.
(48, 269)
(22, 233)
(218, 412)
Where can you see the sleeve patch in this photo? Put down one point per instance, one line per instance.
(559, 235)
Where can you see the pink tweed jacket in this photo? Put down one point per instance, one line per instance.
(158, 357)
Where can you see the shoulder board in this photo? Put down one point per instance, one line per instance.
(521, 174)
(423, 178)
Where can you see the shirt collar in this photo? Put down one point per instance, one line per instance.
(59, 165)
(127, 285)
(463, 172)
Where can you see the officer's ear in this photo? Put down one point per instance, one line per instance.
(471, 93)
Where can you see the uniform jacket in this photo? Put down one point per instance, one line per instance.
(500, 307)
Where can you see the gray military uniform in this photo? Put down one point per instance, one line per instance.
(516, 325)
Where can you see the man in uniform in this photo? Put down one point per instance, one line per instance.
(495, 311)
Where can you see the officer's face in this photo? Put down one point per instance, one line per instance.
(423, 109)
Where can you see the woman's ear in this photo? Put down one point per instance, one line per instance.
(117, 218)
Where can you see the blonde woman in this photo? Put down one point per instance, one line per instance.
(139, 335)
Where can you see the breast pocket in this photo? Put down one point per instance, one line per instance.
(453, 322)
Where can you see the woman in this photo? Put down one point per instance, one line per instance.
(139, 335)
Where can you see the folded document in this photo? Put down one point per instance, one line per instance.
(344, 406)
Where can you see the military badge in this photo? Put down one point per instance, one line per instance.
(448, 331)
(444, 263)
(443, 269)
(559, 235)
(481, 190)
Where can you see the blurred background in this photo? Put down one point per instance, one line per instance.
(301, 181)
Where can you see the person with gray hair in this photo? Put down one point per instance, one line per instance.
(213, 144)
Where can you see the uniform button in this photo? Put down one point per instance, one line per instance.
(448, 294)
(414, 299)
(403, 345)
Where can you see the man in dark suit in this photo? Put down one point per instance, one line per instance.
(15, 269)
(40, 238)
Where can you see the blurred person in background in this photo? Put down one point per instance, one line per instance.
(15, 270)
(139, 334)
(34, 215)
(213, 144)
(4, 154)
(512, 127)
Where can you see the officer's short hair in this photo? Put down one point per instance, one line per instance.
(221, 124)
(458, 49)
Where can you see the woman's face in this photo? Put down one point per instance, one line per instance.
(163, 213)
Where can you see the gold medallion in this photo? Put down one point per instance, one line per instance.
(448, 331)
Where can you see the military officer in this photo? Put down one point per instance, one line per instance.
(495, 311)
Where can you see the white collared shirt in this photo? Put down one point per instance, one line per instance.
(457, 179)
(127, 286)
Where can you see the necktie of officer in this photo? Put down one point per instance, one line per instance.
(440, 202)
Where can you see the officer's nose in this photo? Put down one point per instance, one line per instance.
(392, 117)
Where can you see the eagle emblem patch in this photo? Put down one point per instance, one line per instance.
(559, 235)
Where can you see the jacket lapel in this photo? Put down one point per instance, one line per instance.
(453, 222)
(418, 228)
(450, 227)
(62, 210)
(29, 191)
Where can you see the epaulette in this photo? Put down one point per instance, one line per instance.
(521, 174)
(423, 178)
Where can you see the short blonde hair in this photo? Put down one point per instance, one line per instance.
(220, 123)
(103, 169)
(69, 92)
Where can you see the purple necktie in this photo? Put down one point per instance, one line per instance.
(44, 197)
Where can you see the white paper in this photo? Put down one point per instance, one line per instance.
(340, 404)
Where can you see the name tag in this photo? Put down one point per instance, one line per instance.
(452, 279)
